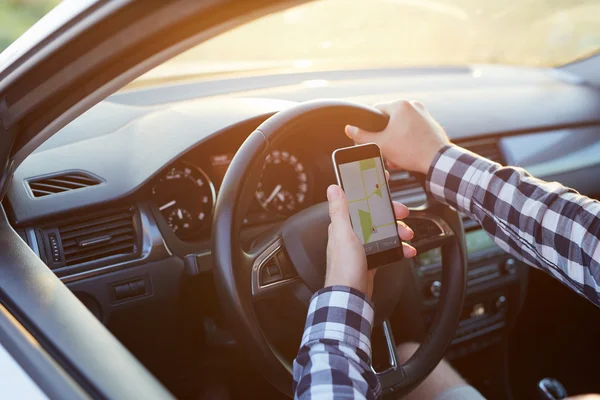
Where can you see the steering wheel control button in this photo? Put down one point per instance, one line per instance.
(273, 270)
(510, 266)
(435, 289)
(270, 272)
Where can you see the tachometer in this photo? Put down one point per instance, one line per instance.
(186, 197)
(284, 184)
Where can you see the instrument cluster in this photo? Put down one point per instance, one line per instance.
(185, 194)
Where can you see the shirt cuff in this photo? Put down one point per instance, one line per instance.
(340, 313)
(455, 174)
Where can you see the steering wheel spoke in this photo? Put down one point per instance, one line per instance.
(430, 230)
(394, 375)
(272, 271)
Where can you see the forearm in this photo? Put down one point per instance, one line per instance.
(335, 353)
(543, 224)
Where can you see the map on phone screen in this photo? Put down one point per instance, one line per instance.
(371, 211)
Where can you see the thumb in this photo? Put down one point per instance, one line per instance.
(338, 208)
(359, 136)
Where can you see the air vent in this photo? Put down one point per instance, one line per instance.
(406, 188)
(61, 183)
(486, 147)
(100, 236)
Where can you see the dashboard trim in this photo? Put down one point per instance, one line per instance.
(32, 241)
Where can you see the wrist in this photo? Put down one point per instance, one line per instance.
(429, 158)
(357, 285)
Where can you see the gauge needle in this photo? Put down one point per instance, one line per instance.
(273, 194)
(179, 213)
(169, 204)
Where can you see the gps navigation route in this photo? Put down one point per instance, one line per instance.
(374, 217)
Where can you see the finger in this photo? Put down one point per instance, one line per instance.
(400, 210)
(338, 208)
(387, 108)
(409, 251)
(358, 135)
(404, 231)
(391, 165)
(417, 105)
(387, 175)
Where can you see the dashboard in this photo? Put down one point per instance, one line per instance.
(166, 150)
(119, 204)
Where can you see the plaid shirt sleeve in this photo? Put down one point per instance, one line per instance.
(544, 224)
(334, 360)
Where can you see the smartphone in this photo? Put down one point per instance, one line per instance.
(359, 171)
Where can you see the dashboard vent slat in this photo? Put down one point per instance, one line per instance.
(108, 251)
(94, 228)
(76, 243)
(62, 182)
(406, 188)
(108, 234)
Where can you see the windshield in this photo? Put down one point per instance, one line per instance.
(349, 34)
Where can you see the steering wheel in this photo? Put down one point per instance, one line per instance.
(295, 252)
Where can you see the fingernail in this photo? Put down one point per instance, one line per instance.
(333, 192)
(412, 251)
(412, 233)
(351, 130)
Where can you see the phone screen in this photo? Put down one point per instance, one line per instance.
(371, 210)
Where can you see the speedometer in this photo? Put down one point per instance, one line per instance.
(185, 197)
(284, 184)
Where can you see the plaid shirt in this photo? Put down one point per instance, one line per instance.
(335, 352)
(543, 224)
(546, 225)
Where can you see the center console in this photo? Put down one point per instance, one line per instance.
(495, 290)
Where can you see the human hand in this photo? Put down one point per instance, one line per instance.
(346, 258)
(411, 138)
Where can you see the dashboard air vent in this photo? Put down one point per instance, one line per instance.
(406, 188)
(486, 147)
(100, 236)
(62, 182)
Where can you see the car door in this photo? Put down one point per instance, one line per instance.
(81, 52)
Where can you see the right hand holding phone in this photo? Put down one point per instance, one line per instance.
(411, 138)
(346, 259)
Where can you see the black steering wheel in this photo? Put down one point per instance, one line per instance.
(295, 252)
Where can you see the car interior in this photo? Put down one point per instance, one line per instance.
(138, 204)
